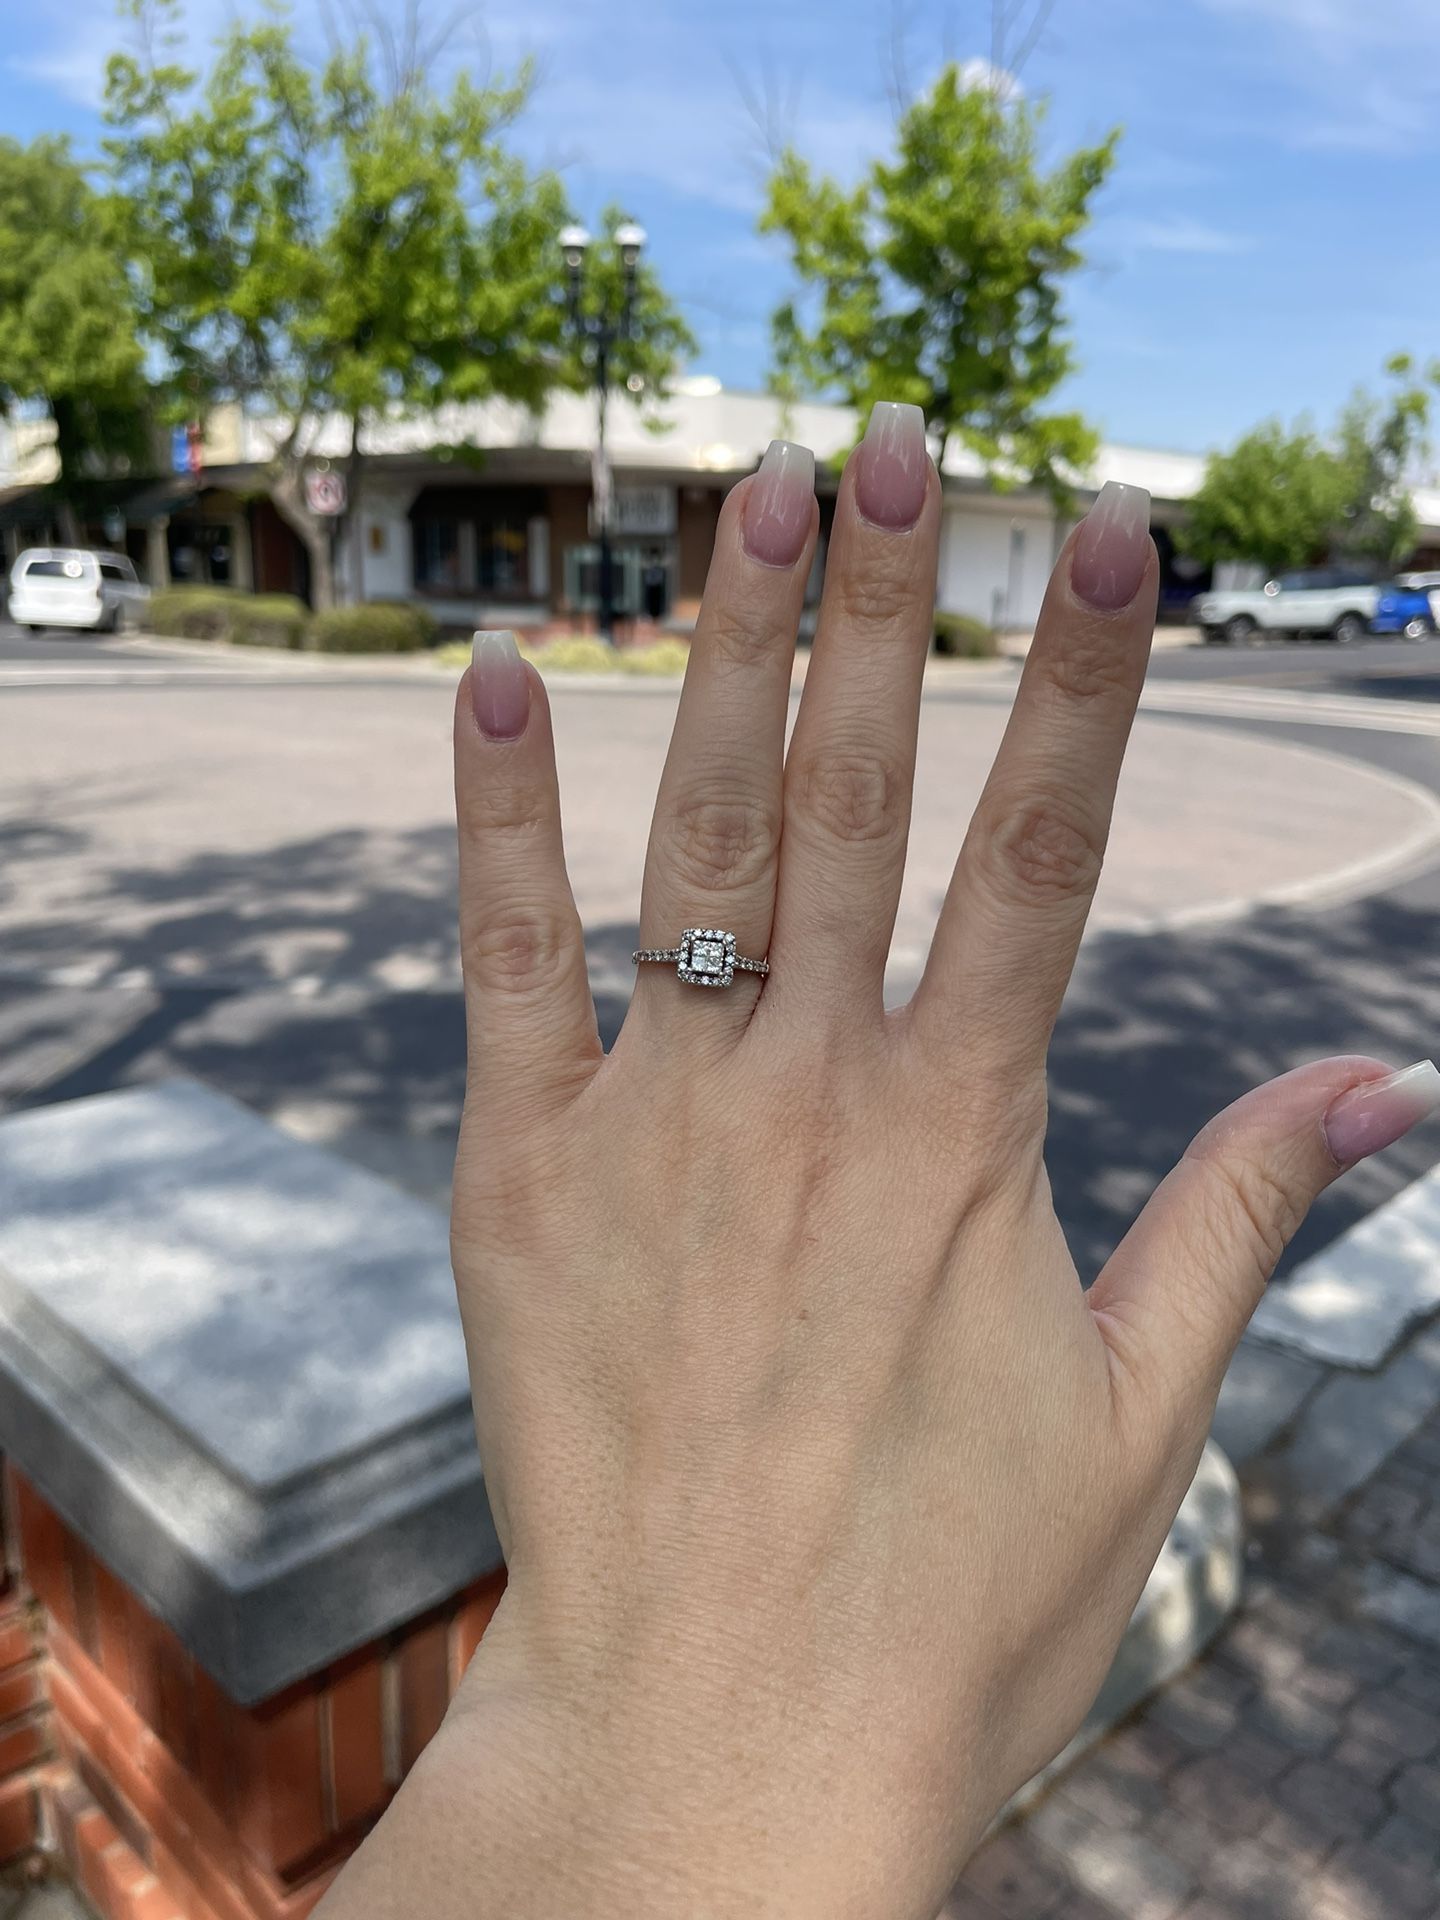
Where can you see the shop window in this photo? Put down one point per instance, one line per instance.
(502, 557)
(437, 555)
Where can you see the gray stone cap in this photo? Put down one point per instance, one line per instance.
(234, 1364)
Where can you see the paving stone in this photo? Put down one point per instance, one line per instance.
(1411, 1842)
(1226, 1798)
(1258, 1756)
(1198, 1718)
(1415, 1791)
(1188, 1838)
(1420, 1683)
(1390, 1720)
(1330, 1798)
(1355, 1421)
(1396, 1890)
(1114, 1803)
(1255, 1883)
(1307, 1726)
(1366, 1759)
(1372, 1657)
(1131, 1874)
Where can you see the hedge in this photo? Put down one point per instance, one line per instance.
(376, 626)
(962, 638)
(219, 613)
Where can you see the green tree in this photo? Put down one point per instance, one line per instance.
(346, 239)
(67, 334)
(1284, 497)
(938, 279)
(1380, 442)
(1274, 498)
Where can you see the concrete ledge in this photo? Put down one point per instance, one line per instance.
(234, 1365)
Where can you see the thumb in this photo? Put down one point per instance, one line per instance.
(1180, 1288)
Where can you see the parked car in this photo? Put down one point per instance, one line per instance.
(1339, 601)
(1406, 606)
(75, 587)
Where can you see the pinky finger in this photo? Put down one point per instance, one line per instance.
(530, 1018)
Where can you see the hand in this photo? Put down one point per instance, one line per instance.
(825, 1489)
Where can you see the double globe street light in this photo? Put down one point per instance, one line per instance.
(598, 332)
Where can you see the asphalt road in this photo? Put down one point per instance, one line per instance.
(1160, 1029)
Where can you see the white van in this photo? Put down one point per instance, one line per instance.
(75, 587)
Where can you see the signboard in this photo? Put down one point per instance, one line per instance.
(186, 448)
(643, 510)
(324, 490)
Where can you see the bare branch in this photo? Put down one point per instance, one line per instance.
(771, 107)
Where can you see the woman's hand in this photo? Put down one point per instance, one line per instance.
(825, 1490)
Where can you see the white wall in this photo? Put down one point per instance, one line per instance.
(389, 571)
(995, 558)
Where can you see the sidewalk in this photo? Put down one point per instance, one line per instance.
(1294, 1772)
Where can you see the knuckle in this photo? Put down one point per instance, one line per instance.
(722, 844)
(499, 807)
(852, 796)
(1045, 849)
(735, 639)
(878, 595)
(1090, 664)
(518, 952)
(1254, 1204)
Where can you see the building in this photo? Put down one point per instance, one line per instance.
(483, 512)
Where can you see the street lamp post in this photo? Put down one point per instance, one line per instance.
(599, 332)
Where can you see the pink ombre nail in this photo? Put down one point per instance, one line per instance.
(499, 686)
(1113, 548)
(1377, 1114)
(775, 520)
(892, 466)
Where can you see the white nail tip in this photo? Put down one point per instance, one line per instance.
(493, 643)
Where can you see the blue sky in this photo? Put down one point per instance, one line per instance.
(1268, 237)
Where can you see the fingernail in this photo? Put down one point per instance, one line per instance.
(1110, 555)
(776, 517)
(1376, 1115)
(892, 466)
(499, 686)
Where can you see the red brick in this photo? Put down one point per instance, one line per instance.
(93, 1836)
(44, 1553)
(279, 1787)
(17, 1642)
(21, 1746)
(215, 1716)
(20, 1690)
(424, 1663)
(473, 1616)
(353, 1704)
(114, 1610)
(19, 1819)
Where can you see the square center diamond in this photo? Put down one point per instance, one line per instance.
(707, 956)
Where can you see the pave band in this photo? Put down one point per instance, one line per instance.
(705, 957)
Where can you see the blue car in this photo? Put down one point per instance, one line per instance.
(1404, 607)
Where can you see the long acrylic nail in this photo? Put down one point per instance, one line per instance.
(1113, 547)
(499, 686)
(1368, 1118)
(892, 466)
(775, 520)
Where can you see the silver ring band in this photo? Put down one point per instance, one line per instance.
(705, 957)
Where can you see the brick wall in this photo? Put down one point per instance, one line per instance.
(23, 1742)
(167, 1800)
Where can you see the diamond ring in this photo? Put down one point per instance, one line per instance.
(705, 957)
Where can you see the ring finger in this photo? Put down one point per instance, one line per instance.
(715, 840)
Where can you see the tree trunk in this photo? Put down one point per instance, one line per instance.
(313, 530)
(67, 447)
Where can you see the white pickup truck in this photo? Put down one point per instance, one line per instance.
(1339, 601)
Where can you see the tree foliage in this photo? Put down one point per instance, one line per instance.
(1285, 497)
(67, 332)
(939, 277)
(343, 238)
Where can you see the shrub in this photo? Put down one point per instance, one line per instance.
(962, 638)
(660, 656)
(221, 613)
(376, 626)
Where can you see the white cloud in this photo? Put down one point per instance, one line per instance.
(1175, 235)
